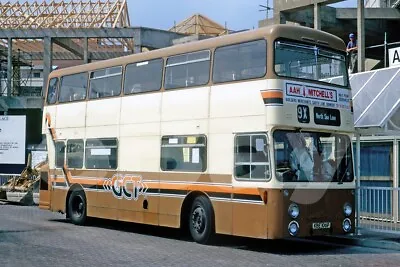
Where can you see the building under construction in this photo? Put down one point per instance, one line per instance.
(37, 37)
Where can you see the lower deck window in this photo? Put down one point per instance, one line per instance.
(75, 154)
(184, 153)
(101, 154)
(60, 154)
(251, 157)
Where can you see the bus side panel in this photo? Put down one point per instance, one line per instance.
(106, 206)
(275, 210)
(106, 109)
(170, 210)
(140, 211)
(91, 198)
(58, 199)
(72, 115)
(250, 219)
(223, 216)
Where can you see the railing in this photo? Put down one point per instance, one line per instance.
(379, 209)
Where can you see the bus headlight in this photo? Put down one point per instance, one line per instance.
(346, 225)
(347, 210)
(293, 228)
(294, 210)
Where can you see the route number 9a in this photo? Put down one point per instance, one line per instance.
(303, 114)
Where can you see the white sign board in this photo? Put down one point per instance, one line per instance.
(394, 56)
(12, 139)
(308, 94)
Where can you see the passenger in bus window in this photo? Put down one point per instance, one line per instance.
(301, 161)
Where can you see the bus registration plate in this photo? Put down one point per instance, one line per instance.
(321, 225)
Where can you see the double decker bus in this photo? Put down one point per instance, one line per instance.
(247, 134)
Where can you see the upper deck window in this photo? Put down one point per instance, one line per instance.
(240, 61)
(310, 62)
(187, 70)
(73, 87)
(52, 91)
(143, 76)
(105, 82)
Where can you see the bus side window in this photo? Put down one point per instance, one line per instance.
(73, 87)
(240, 61)
(143, 77)
(52, 91)
(184, 153)
(75, 154)
(105, 82)
(60, 154)
(252, 157)
(101, 153)
(192, 69)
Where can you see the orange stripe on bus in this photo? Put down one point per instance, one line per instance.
(272, 94)
(48, 119)
(186, 187)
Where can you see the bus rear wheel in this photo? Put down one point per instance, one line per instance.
(201, 220)
(77, 207)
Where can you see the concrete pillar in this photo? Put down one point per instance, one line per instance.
(47, 61)
(9, 67)
(86, 50)
(137, 40)
(137, 49)
(361, 35)
(317, 16)
(282, 18)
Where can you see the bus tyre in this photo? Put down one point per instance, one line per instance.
(201, 220)
(77, 207)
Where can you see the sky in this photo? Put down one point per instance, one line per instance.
(238, 14)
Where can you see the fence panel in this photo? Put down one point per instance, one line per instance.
(377, 210)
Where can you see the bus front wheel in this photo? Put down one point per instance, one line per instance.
(77, 207)
(201, 220)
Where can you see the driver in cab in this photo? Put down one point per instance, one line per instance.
(301, 161)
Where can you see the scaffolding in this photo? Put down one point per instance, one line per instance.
(67, 15)
(57, 16)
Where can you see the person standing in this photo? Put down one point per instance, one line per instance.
(352, 53)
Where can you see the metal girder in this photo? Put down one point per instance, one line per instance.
(69, 45)
(68, 33)
(70, 56)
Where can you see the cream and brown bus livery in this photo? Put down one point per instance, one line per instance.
(247, 134)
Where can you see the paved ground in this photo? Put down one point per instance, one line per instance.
(33, 237)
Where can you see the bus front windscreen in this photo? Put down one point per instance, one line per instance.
(310, 62)
(312, 157)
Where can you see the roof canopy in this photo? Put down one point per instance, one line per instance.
(376, 100)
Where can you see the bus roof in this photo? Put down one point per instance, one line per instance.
(293, 32)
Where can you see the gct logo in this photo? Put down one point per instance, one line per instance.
(127, 186)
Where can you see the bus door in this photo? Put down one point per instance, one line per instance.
(252, 166)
